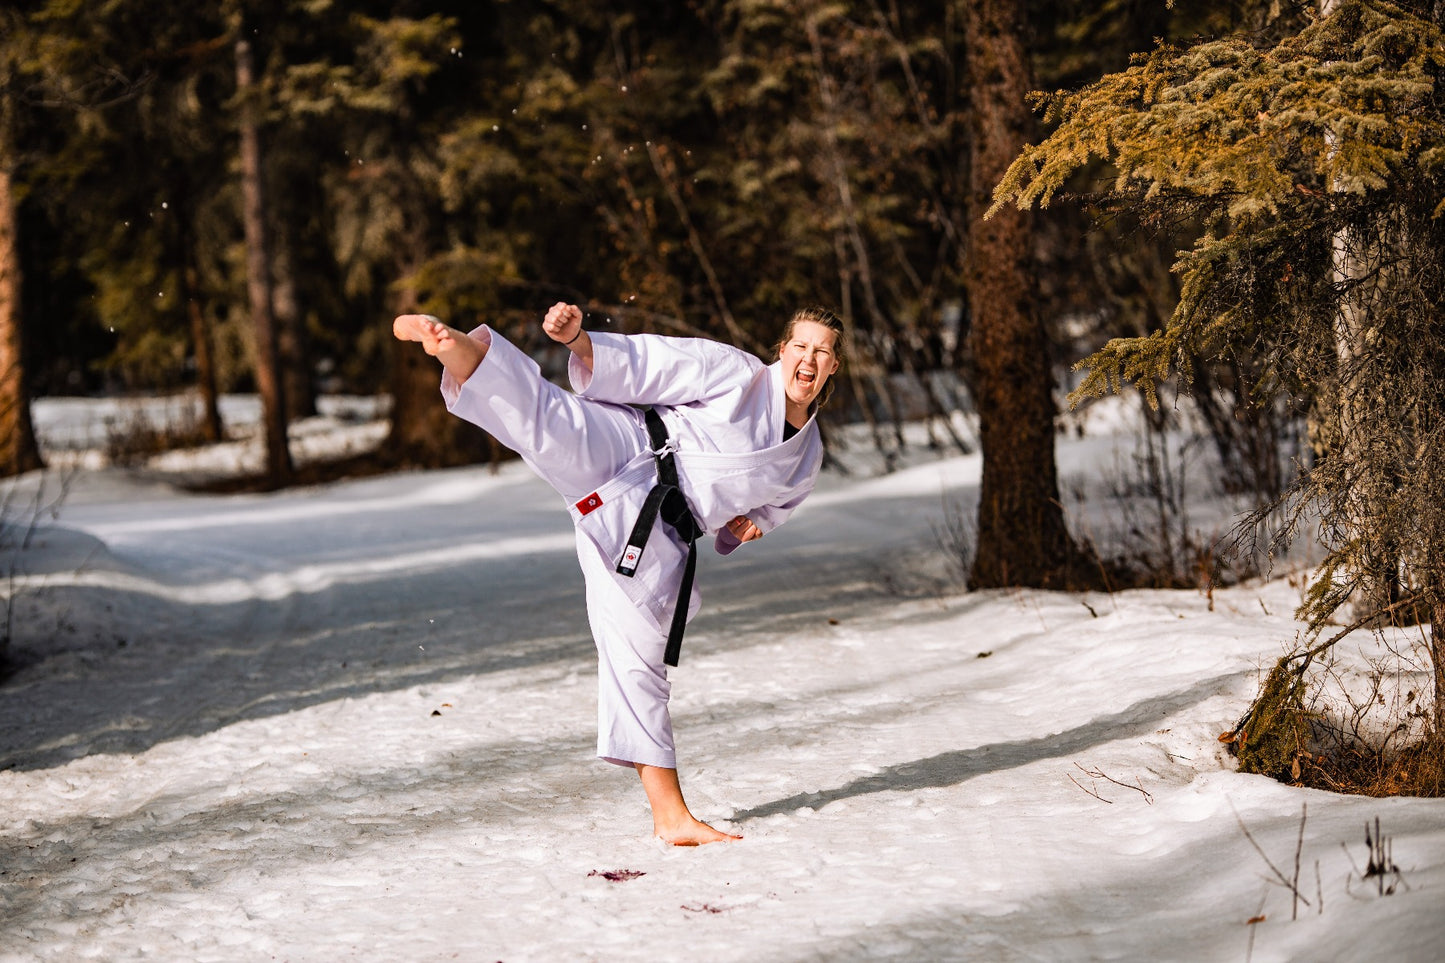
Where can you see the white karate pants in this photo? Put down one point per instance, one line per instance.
(576, 445)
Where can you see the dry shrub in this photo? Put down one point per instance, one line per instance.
(1157, 544)
(1364, 730)
(134, 437)
(1416, 770)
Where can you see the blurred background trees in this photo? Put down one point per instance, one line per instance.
(700, 167)
(238, 196)
(697, 167)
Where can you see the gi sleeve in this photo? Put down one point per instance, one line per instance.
(771, 516)
(652, 369)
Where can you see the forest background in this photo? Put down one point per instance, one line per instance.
(239, 196)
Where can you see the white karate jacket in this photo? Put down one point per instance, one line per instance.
(725, 413)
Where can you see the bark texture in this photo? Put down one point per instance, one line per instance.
(18, 450)
(1022, 540)
(269, 381)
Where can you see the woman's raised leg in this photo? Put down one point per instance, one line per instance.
(458, 353)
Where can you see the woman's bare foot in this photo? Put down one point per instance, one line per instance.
(672, 821)
(457, 352)
(691, 833)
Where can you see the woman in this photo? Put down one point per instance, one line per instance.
(746, 451)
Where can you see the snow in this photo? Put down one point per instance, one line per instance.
(356, 722)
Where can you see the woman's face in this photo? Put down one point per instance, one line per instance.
(808, 357)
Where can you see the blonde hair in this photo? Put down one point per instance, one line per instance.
(829, 320)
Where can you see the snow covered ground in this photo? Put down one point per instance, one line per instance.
(357, 723)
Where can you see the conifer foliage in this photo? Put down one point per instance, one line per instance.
(1317, 169)
(692, 168)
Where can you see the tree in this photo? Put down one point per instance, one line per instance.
(833, 176)
(18, 450)
(1324, 149)
(270, 378)
(133, 95)
(387, 201)
(1022, 539)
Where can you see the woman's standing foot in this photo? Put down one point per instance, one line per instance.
(672, 821)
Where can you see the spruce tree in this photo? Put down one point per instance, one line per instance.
(1317, 167)
(387, 199)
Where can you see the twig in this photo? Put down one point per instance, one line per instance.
(1298, 847)
(1279, 877)
(1382, 860)
(1088, 790)
(1100, 774)
(1252, 922)
(1309, 655)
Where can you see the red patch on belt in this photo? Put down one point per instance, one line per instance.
(590, 504)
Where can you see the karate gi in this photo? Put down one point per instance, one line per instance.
(725, 414)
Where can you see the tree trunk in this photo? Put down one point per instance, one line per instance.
(269, 381)
(1437, 658)
(201, 344)
(1378, 571)
(291, 332)
(18, 451)
(211, 427)
(1022, 540)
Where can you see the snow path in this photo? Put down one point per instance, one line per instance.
(357, 723)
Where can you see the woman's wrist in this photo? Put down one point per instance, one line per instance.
(580, 332)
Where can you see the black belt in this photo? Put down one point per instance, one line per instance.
(665, 499)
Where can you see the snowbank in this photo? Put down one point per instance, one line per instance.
(356, 723)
